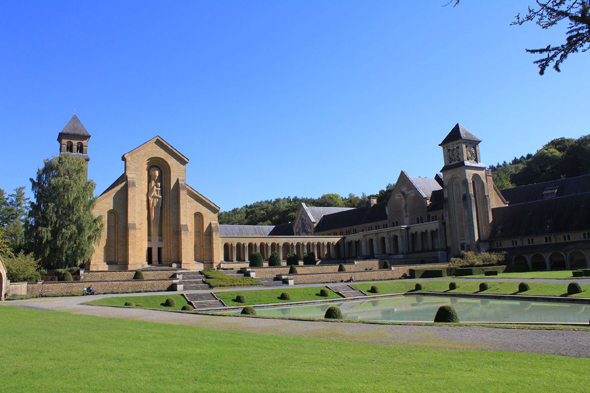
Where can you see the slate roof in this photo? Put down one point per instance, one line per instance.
(425, 185)
(534, 192)
(75, 127)
(256, 230)
(353, 217)
(316, 213)
(546, 247)
(459, 133)
(555, 215)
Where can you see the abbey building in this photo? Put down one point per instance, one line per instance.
(153, 217)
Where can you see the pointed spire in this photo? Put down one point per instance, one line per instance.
(75, 127)
(459, 133)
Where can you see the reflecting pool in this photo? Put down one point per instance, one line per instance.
(417, 308)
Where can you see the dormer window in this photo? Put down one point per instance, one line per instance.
(550, 192)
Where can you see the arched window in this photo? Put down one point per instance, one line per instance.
(69, 147)
(80, 148)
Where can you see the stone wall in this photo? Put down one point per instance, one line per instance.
(369, 275)
(53, 288)
(17, 288)
(127, 275)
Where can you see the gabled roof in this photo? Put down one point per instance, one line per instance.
(353, 217)
(534, 192)
(159, 139)
(316, 213)
(425, 185)
(459, 133)
(74, 127)
(121, 179)
(199, 195)
(256, 230)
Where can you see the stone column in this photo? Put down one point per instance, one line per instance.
(233, 252)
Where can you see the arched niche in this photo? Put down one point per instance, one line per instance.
(158, 211)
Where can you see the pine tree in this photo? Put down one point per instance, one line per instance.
(62, 228)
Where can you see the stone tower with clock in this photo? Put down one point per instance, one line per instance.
(469, 192)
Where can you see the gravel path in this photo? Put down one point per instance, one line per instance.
(556, 342)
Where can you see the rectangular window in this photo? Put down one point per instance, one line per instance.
(514, 242)
(567, 237)
(384, 225)
(547, 239)
(498, 244)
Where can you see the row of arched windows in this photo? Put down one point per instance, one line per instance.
(79, 147)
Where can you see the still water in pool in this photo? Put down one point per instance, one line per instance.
(423, 308)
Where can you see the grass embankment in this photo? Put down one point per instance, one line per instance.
(216, 278)
(154, 301)
(557, 274)
(495, 287)
(45, 351)
(272, 296)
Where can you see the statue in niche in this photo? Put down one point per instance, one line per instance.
(155, 202)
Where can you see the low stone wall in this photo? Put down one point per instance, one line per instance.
(127, 275)
(368, 275)
(17, 288)
(54, 288)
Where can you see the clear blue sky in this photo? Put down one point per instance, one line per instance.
(279, 98)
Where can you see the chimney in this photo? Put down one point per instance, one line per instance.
(372, 200)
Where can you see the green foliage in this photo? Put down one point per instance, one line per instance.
(217, 278)
(128, 304)
(170, 302)
(13, 216)
(386, 265)
(573, 288)
(483, 286)
(22, 268)
(578, 273)
(324, 292)
(248, 311)
(138, 275)
(187, 307)
(292, 270)
(470, 258)
(285, 296)
(274, 259)
(256, 260)
(67, 276)
(523, 287)
(333, 312)
(490, 273)
(292, 259)
(139, 305)
(341, 268)
(309, 259)
(418, 287)
(374, 289)
(62, 228)
(446, 314)
(241, 299)
(452, 286)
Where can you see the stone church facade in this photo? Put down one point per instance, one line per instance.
(152, 217)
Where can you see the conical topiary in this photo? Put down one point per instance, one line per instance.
(138, 275)
(292, 270)
(446, 314)
(333, 313)
(341, 268)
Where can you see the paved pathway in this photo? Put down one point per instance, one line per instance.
(557, 342)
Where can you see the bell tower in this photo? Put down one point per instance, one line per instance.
(466, 190)
(73, 139)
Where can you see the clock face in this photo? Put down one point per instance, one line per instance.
(471, 153)
(453, 154)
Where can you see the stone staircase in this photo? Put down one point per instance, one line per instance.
(271, 281)
(201, 301)
(346, 290)
(192, 281)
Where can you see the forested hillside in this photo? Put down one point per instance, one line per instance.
(558, 158)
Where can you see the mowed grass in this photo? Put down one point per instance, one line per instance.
(47, 351)
(557, 274)
(495, 287)
(268, 296)
(153, 301)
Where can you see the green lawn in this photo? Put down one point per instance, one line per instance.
(557, 274)
(495, 287)
(47, 351)
(272, 296)
(217, 278)
(154, 301)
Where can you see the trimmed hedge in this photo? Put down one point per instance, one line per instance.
(586, 272)
(274, 259)
(418, 287)
(292, 270)
(470, 271)
(573, 288)
(341, 268)
(324, 292)
(452, 286)
(491, 273)
(523, 287)
(68, 276)
(309, 259)
(292, 259)
(429, 272)
(187, 307)
(446, 314)
(374, 289)
(138, 275)
(241, 299)
(170, 302)
(578, 273)
(333, 312)
(256, 260)
(129, 304)
(285, 296)
(483, 286)
(248, 311)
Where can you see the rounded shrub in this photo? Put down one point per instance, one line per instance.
(138, 275)
(374, 289)
(68, 276)
(256, 260)
(523, 287)
(292, 270)
(274, 259)
(285, 296)
(139, 305)
(333, 313)
(324, 292)
(292, 259)
(187, 307)
(170, 302)
(573, 288)
(386, 265)
(452, 286)
(446, 314)
(484, 286)
(341, 268)
(248, 311)
(129, 304)
(418, 287)
(309, 259)
(241, 299)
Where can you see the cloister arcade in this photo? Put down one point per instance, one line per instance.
(239, 249)
(555, 260)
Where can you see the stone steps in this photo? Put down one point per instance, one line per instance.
(346, 290)
(201, 301)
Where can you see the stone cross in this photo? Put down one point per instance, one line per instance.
(404, 196)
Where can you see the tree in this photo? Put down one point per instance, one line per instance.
(18, 208)
(22, 268)
(549, 13)
(62, 229)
